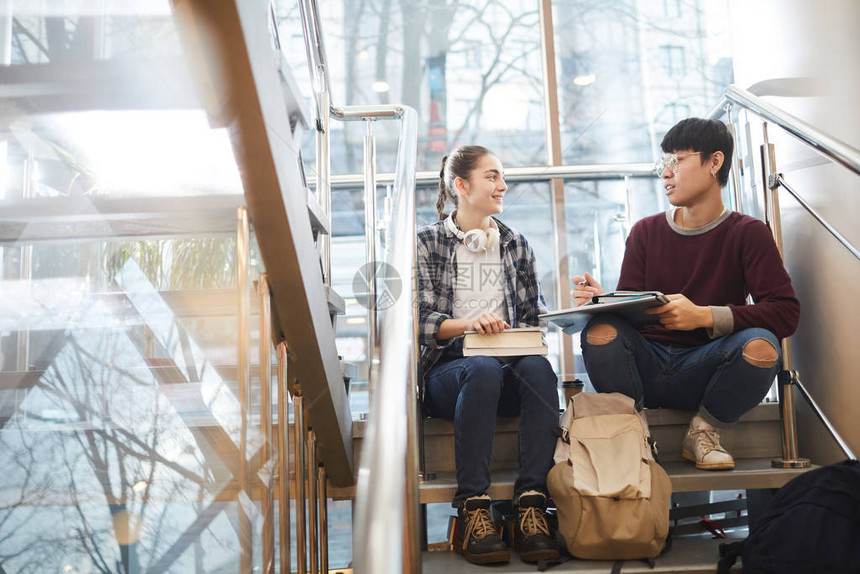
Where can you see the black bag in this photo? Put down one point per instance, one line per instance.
(811, 525)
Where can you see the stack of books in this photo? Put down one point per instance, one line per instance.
(509, 343)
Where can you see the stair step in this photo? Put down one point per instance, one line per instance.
(294, 99)
(688, 555)
(319, 220)
(748, 473)
(336, 304)
(757, 435)
(754, 441)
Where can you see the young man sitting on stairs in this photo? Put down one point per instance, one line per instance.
(711, 351)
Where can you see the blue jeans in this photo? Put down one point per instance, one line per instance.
(471, 391)
(714, 378)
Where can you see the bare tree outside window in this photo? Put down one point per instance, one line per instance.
(471, 69)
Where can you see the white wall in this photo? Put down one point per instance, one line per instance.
(805, 56)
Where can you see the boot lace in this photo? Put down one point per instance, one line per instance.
(533, 522)
(479, 525)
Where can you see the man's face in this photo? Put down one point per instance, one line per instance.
(686, 178)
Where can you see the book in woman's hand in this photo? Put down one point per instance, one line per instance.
(509, 343)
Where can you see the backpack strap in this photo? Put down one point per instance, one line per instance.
(616, 567)
(729, 553)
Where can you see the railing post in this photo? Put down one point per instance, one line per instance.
(414, 539)
(322, 493)
(324, 180)
(284, 461)
(628, 205)
(268, 502)
(243, 376)
(300, 433)
(313, 524)
(787, 376)
(735, 173)
(370, 251)
(6, 34)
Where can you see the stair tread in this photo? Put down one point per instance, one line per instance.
(319, 220)
(688, 555)
(656, 417)
(336, 303)
(748, 473)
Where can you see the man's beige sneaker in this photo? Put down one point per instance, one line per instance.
(702, 446)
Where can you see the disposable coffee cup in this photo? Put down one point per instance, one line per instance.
(571, 388)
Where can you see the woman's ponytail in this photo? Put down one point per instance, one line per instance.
(459, 163)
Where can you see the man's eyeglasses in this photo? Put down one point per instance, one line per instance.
(670, 161)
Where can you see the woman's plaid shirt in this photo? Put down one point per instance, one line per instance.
(437, 272)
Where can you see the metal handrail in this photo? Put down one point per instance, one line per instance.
(835, 150)
(828, 145)
(385, 473)
(387, 493)
(587, 172)
(824, 420)
(818, 217)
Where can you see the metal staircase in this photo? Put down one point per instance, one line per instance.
(241, 79)
(764, 443)
(754, 442)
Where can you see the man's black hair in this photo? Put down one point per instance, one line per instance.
(705, 136)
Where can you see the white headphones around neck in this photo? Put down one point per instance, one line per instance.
(475, 239)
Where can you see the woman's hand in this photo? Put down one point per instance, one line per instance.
(485, 324)
(584, 289)
(488, 323)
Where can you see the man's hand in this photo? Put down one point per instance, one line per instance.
(681, 314)
(584, 289)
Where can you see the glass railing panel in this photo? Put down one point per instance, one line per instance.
(600, 214)
(348, 259)
(120, 415)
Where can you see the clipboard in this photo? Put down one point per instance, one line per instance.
(628, 304)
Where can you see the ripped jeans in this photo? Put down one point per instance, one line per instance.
(715, 379)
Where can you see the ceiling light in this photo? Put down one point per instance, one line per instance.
(584, 80)
(381, 86)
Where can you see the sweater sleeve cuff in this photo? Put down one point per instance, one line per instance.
(724, 322)
(430, 326)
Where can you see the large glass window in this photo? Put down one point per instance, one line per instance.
(621, 64)
(54, 32)
(472, 70)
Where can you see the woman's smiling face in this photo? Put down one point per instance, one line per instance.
(484, 192)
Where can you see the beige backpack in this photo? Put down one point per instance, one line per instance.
(611, 496)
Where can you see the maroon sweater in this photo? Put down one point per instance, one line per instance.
(719, 267)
